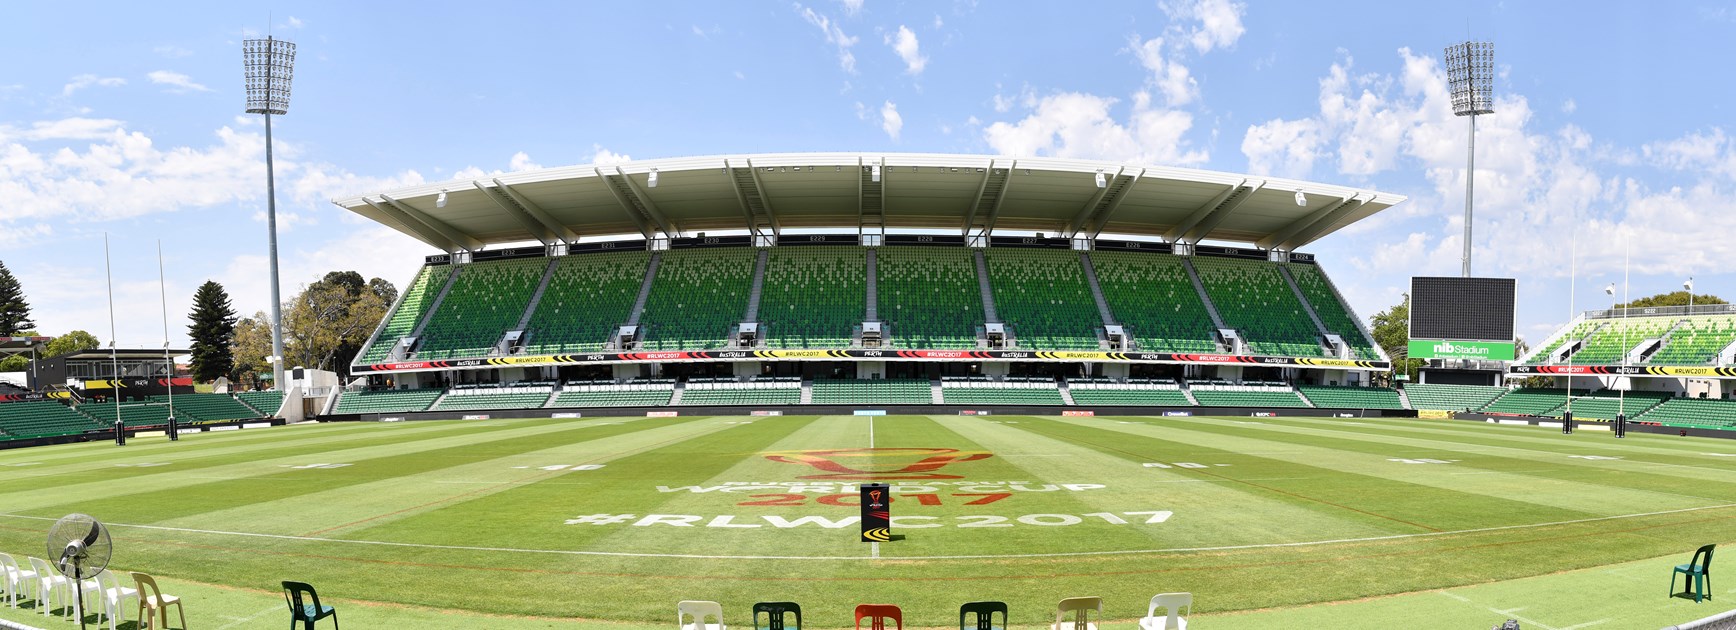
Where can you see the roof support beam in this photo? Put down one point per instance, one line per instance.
(555, 227)
(970, 216)
(626, 205)
(1086, 210)
(1000, 196)
(1102, 218)
(404, 222)
(453, 235)
(765, 200)
(536, 230)
(859, 204)
(644, 199)
(741, 199)
(1313, 231)
(1208, 216)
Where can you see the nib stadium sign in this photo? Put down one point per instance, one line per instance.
(1479, 350)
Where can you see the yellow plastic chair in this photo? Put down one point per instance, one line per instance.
(152, 598)
(1081, 607)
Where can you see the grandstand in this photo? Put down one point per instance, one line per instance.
(814, 297)
(1152, 297)
(929, 297)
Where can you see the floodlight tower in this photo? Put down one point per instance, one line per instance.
(270, 65)
(1471, 79)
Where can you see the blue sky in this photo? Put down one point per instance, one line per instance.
(126, 118)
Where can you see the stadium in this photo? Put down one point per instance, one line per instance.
(1002, 388)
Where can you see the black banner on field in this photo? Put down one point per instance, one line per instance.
(876, 512)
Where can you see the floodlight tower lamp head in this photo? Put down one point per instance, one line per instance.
(270, 66)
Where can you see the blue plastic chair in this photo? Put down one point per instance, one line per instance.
(1698, 572)
(306, 611)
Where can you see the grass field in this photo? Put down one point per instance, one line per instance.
(609, 521)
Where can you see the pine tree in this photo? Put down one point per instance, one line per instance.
(14, 311)
(212, 332)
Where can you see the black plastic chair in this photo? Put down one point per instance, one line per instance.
(985, 615)
(1698, 573)
(775, 612)
(307, 611)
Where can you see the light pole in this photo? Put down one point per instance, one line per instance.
(1471, 79)
(270, 65)
(1689, 287)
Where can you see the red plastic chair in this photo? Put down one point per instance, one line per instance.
(877, 614)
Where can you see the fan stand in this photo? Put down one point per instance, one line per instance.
(78, 592)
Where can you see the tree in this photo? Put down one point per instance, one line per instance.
(18, 362)
(212, 332)
(249, 347)
(14, 311)
(328, 322)
(75, 341)
(1678, 298)
(1392, 331)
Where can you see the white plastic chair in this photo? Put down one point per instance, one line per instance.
(14, 578)
(1172, 605)
(51, 587)
(699, 611)
(114, 597)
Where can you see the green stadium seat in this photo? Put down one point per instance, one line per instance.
(1704, 413)
(43, 418)
(1697, 341)
(266, 403)
(1163, 394)
(208, 407)
(872, 392)
(698, 297)
(588, 297)
(387, 401)
(1530, 401)
(1254, 299)
(636, 394)
(1212, 395)
(813, 297)
(1343, 397)
(486, 300)
(1335, 314)
(1153, 299)
(1451, 397)
(416, 300)
(778, 392)
(984, 392)
(929, 296)
(484, 398)
(1043, 295)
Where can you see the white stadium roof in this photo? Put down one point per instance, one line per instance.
(966, 194)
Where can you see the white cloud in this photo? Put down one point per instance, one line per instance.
(938, 22)
(172, 52)
(178, 83)
(1078, 125)
(904, 43)
(292, 23)
(834, 36)
(852, 7)
(1569, 106)
(1169, 76)
(600, 155)
(1219, 22)
(890, 121)
(88, 80)
(1285, 148)
(739, 76)
(63, 129)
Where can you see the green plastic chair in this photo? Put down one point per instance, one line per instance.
(1698, 573)
(306, 611)
(984, 612)
(775, 615)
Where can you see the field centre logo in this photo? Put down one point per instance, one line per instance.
(872, 464)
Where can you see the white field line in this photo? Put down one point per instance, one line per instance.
(242, 621)
(623, 554)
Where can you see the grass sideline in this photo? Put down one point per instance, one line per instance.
(1417, 507)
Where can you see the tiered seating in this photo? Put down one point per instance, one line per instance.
(1352, 397)
(1250, 395)
(1579, 331)
(1012, 391)
(417, 298)
(813, 297)
(267, 403)
(1133, 393)
(486, 300)
(1256, 301)
(136, 414)
(929, 296)
(1152, 298)
(1333, 313)
(509, 397)
(746, 395)
(872, 392)
(698, 297)
(1605, 405)
(587, 297)
(1451, 397)
(608, 394)
(1705, 413)
(1609, 345)
(1697, 341)
(42, 418)
(1530, 401)
(387, 401)
(1043, 295)
(208, 407)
